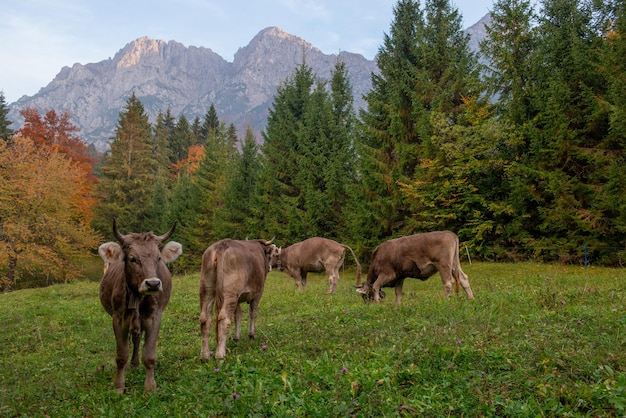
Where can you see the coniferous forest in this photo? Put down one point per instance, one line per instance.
(518, 149)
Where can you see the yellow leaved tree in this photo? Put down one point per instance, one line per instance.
(43, 231)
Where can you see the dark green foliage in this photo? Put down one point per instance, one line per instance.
(307, 157)
(129, 170)
(425, 68)
(238, 217)
(5, 131)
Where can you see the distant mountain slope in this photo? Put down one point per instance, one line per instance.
(187, 80)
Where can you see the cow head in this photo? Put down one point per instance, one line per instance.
(141, 253)
(269, 248)
(367, 292)
(274, 258)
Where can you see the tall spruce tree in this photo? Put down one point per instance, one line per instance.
(281, 157)
(508, 49)
(211, 123)
(425, 67)
(566, 155)
(180, 139)
(5, 131)
(613, 192)
(128, 173)
(237, 217)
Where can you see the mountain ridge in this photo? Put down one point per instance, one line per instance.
(188, 80)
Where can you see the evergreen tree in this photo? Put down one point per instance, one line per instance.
(181, 139)
(509, 49)
(237, 217)
(281, 156)
(5, 131)
(211, 123)
(210, 179)
(128, 173)
(566, 155)
(613, 193)
(163, 131)
(425, 67)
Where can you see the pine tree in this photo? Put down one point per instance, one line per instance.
(211, 124)
(5, 131)
(425, 67)
(567, 135)
(128, 170)
(237, 217)
(180, 139)
(281, 156)
(509, 49)
(613, 193)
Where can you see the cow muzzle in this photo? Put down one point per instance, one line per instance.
(150, 286)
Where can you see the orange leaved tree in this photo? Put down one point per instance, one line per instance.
(56, 130)
(43, 234)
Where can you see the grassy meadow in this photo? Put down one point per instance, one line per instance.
(538, 340)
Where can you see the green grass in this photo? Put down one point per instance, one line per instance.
(539, 340)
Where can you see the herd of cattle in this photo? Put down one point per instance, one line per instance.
(136, 286)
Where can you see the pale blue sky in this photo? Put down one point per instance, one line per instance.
(39, 37)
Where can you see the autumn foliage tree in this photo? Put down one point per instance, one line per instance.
(56, 131)
(43, 234)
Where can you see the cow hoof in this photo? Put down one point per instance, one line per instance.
(119, 391)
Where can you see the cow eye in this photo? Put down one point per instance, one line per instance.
(132, 259)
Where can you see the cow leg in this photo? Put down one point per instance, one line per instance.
(122, 350)
(379, 283)
(135, 332)
(298, 280)
(303, 280)
(333, 279)
(446, 279)
(463, 279)
(398, 289)
(151, 326)
(254, 305)
(206, 315)
(223, 324)
(237, 335)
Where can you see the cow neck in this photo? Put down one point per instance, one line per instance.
(133, 299)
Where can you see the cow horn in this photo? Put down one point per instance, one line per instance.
(168, 233)
(118, 235)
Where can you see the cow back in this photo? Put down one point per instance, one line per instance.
(310, 252)
(413, 255)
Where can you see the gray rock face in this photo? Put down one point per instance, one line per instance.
(187, 80)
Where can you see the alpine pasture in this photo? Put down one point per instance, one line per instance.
(538, 340)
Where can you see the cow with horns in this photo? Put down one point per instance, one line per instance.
(232, 272)
(417, 256)
(135, 290)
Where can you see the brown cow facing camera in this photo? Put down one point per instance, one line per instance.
(232, 272)
(418, 256)
(135, 290)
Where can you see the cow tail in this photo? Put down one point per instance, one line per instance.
(457, 266)
(358, 267)
(217, 267)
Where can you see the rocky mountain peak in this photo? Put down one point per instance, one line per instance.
(133, 52)
(187, 81)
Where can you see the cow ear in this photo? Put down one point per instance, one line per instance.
(171, 251)
(359, 289)
(111, 252)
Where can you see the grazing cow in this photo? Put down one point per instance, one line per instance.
(232, 272)
(135, 289)
(314, 255)
(417, 256)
